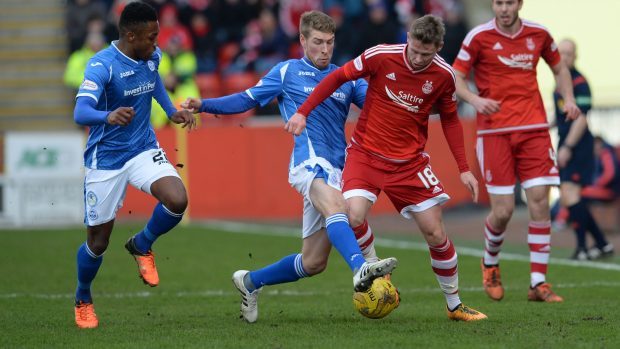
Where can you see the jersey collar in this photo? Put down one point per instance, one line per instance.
(508, 35)
(130, 60)
(309, 63)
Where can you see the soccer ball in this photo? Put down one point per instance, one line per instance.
(379, 300)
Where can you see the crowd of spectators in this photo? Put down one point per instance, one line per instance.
(216, 46)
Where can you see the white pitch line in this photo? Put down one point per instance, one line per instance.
(277, 292)
(273, 230)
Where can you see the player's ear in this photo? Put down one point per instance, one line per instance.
(130, 36)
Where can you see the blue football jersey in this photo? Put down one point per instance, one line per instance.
(292, 82)
(114, 80)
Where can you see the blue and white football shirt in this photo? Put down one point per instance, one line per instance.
(292, 82)
(114, 80)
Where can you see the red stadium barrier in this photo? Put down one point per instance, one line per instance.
(237, 172)
(209, 85)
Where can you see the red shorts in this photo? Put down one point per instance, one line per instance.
(411, 185)
(528, 156)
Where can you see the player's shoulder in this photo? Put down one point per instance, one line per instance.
(157, 55)
(102, 59)
(443, 68)
(479, 31)
(384, 50)
(532, 26)
(288, 65)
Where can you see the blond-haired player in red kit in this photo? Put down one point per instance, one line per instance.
(387, 148)
(513, 137)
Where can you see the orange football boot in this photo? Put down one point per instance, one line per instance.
(464, 313)
(146, 264)
(492, 282)
(542, 293)
(85, 316)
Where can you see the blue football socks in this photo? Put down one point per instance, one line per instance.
(161, 222)
(88, 264)
(343, 239)
(287, 269)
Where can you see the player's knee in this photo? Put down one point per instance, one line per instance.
(176, 203)
(434, 236)
(315, 267)
(503, 213)
(98, 245)
(356, 219)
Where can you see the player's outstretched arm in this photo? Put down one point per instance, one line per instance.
(231, 104)
(192, 104)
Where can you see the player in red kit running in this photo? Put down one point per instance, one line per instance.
(513, 137)
(387, 147)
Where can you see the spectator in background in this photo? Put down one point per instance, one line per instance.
(205, 45)
(606, 179)
(605, 188)
(379, 28)
(232, 17)
(574, 158)
(170, 29)
(290, 12)
(264, 45)
(79, 12)
(346, 32)
(178, 60)
(74, 72)
(575, 155)
(177, 90)
(177, 69)
(456, 29)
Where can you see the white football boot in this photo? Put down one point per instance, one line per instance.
(249, 300)
(372, 270)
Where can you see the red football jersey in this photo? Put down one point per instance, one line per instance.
(505, 70)
(399, 98)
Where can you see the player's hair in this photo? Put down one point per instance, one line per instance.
(428, 29)
(135, 14)
(316, 20)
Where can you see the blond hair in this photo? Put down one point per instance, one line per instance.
(428, 29)
(316, 20)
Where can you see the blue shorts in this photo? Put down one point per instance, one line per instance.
(580, 168)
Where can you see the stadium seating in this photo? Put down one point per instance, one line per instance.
(209, 85)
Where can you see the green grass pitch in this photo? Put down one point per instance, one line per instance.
(196, 304)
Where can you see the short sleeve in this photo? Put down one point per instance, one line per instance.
(583, 96)
(468, 55)
(96, 77)
(550, 51)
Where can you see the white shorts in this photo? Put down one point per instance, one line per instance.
(301, 177)
(104, 190)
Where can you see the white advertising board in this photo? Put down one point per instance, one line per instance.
(43, 179)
